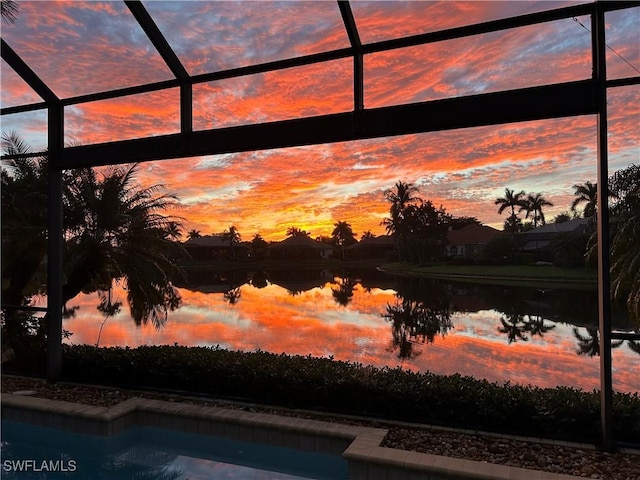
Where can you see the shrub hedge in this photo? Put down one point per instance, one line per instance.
(344, 387)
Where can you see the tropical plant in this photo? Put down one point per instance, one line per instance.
(513, 224)
(401, 197)
(296, 232)
(587, 193)
(193, 234)
(514, 327)
(511, 200)
(9, 11)
(590, 344)
(114, 230)
(342, 235)
(174, 231)
(232, 236)
(534, 205)
(367, 234)
(413, 322)
(562, 217)
(259, 246)
(426, 230)
(624, 187)
(344, 292)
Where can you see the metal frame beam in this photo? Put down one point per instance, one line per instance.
(25, 72)
(604, 286)
(55, 242)
(552, 101)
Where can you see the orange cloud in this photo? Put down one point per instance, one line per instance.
(79, 47)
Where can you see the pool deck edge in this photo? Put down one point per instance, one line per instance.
(360, 446)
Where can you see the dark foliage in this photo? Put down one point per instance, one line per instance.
(330, 385)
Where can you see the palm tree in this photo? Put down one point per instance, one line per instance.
(624, 186)
(24, 214)
(9, 10)
(259, 246)
(295, 232)
(534, 204)
(511, 200)
(113, 229)
(344, 292)
(343, 235)
(193, 234)
(586, 192)
(367, 234)
(233, 237)
(174, 232)
(403, 195)
(514, 327)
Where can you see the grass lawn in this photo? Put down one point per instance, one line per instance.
(501, 274)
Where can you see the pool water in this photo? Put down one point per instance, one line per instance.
(32, 452)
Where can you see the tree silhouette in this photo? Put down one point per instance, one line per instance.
(534, 324)
(514, 327)
(259, 246)
(590, 344)
(9, 11)
(414, 321)
(173, 232)
(513, 224)
(587, 193)
(624, 186)
(232, 296)
(296, 232)
(193, 234)
(114, 229)
(259, 279)
(343, 235)
(233, 237)
(534, 204)
(511, 200)
(634, 346)
(344, 293)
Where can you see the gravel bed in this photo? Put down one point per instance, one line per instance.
(587, 463)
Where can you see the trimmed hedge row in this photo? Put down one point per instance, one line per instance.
(344, 387)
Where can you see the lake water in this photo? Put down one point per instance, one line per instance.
(522, 335)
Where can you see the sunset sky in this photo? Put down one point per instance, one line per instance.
(86, 47)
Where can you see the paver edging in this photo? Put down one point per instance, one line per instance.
(363, 449)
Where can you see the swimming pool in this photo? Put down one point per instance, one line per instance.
(34, 452)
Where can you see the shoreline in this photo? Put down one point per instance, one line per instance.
(487, 277)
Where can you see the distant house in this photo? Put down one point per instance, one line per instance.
(373, 247)
(300, 247)
(470, 240)
(215, 247)
(540, 238)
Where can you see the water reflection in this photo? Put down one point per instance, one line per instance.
(543, 337)
(415, 322)
(516, 326)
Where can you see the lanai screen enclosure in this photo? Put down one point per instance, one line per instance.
(586, 96)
